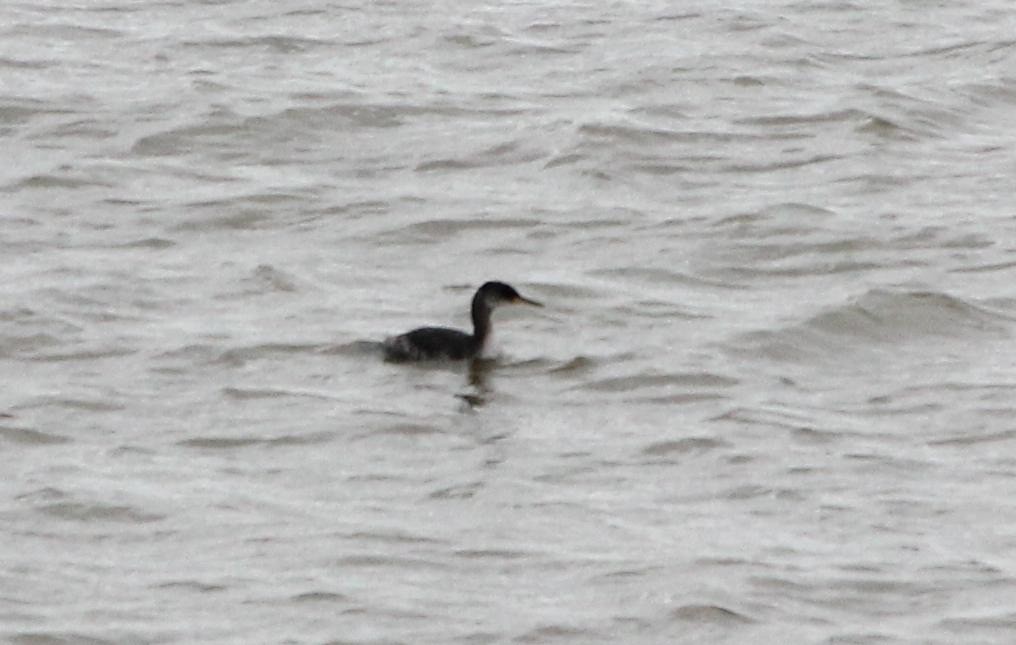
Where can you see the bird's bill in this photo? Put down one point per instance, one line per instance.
(527, 301)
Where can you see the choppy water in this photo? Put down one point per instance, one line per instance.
(771, 399)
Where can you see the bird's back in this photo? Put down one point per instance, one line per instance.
(430, 343)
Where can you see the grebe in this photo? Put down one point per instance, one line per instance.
(437, 343)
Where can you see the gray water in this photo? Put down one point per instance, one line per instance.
(770, 399)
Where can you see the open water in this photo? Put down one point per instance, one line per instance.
(772, 397)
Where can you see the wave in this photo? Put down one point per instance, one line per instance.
(234, 443)
(877, 318)
(237, 356)
(98, 512)
(712, 614)
(27, 436)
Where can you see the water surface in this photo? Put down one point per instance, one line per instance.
(770, 399)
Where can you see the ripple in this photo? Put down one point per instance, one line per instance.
(55, 638)
(986, 268)
(85, 405)
(51, 181)
(18, 63)
(28, 343)
(183, 140)
(95, 512)
(1003, 622)
(565, 160)
(657, 277)
(268, 278)
(30, 437)
(239, 356)
(445, 228)
(653, 136)
(292, 130)
(783, 120)
(407, 430)
(220, 443)
(771, 220)
(711, 614)
(191, 585)
(83, 355)
(82, 129)
(554, 633)
(683, 446)
(491, 554)
(47, 494)
(356, 348)
(458, 491)
(575, 366)
(784, 164)
(320, 596)
(977, 438)
(233, 443)
(67, 31)
(648, 381)
(388, 562)
(244, 220)
(884, 128)
(878, 317)
(500, 155)
(394, 537)
(246, 394)
(894, 316)
(155, 243)
(282, 44)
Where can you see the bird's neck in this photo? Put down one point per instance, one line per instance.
(481, 320)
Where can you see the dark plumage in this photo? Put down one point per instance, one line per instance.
(443, 343)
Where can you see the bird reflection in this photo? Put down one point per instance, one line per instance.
(479, 370)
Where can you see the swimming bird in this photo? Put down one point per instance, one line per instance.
(442, 343)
